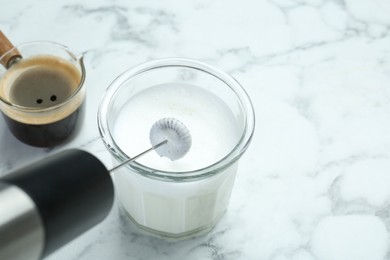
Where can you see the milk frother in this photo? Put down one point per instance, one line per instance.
(47, 204)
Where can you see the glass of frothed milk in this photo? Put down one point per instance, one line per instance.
(187, 196)
(42, 94)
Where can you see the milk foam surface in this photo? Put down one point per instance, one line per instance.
(210, 122)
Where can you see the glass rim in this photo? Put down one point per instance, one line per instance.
(64, 102)
(233, 155)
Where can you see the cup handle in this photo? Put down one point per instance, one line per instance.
(8, 52)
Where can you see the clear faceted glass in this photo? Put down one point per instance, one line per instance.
(190, 196)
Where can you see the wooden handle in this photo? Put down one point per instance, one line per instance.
(5, 46)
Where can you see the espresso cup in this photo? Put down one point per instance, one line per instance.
(42, 94)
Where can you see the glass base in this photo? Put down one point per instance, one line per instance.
(179, 236)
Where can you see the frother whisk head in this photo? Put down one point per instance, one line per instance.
(169, 138)
(177, 135)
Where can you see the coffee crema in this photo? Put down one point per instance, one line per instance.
(42, 99)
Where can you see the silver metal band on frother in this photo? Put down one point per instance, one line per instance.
(21, 231)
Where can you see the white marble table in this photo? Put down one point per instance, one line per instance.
(315, 182)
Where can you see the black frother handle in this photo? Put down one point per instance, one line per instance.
(72, 190)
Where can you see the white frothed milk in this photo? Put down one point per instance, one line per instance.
(168, 207)
(210, 122)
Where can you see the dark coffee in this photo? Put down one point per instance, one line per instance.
(48, 134)
(46, 100)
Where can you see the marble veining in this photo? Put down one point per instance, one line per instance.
(314, 183)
